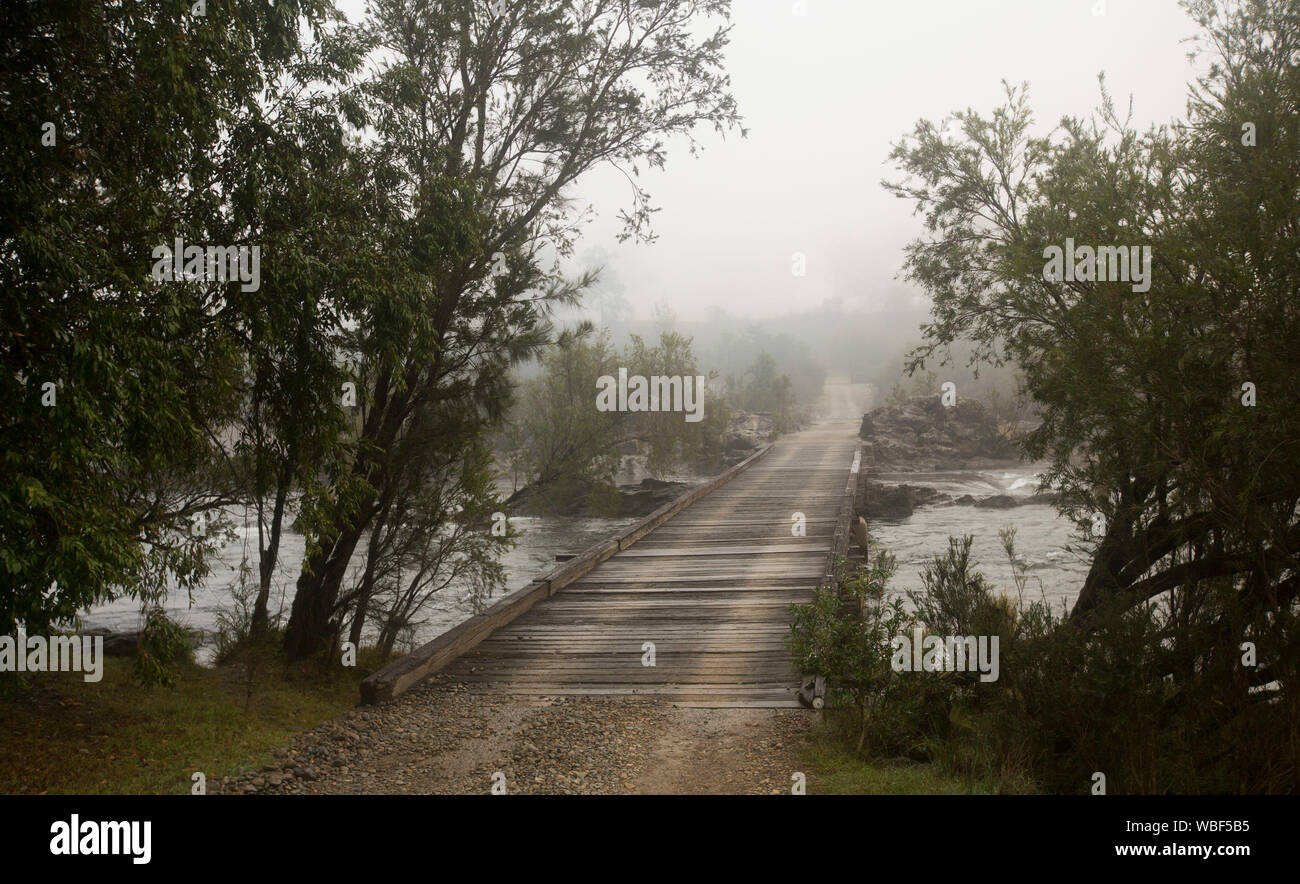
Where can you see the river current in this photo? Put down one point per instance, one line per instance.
(1054, 572)
(1042, 537)
(542, 538)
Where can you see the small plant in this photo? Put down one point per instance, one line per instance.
(164, 646)
(845, 636)
(252, 652)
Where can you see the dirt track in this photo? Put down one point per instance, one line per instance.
(436, 739)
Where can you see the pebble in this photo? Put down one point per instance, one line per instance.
(433, 739)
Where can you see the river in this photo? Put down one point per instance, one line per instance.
(1042, 537)
(1054, 573)
(541, 539)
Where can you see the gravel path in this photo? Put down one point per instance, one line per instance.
(436, 739)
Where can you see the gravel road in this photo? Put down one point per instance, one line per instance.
(437, 739)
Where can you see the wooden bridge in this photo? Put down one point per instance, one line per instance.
(709, 589)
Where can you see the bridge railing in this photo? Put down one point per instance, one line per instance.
(846, 514)
(403, 674)
(812, 690)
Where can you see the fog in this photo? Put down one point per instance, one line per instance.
(824, 96)
(826, 87)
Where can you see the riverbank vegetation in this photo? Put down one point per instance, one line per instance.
(406, 182)
(558, 445)
(557, 448)
(63, 736)
(1168, 421)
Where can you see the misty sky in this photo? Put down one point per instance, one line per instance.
(823, 96)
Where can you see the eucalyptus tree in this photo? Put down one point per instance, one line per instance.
(491, 112)
(307, 191)
(1167, 402)
(116, 140)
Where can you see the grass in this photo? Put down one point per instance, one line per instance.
(833, 768)
(60, 734)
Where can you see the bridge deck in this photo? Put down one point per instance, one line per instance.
(711, 588)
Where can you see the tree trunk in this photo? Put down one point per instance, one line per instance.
(266, 567)
(318, 590)
(367, 582)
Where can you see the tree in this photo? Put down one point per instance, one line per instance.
(117, 139)
(844, 635)
(489, 112)
(1190, 486)
(566, 447)
(565, 444)
(761, 389)
(308, 195)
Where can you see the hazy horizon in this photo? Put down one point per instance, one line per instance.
(824, 96)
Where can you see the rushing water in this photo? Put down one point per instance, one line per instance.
(1040, 542)
(1041, 535)
(541, 539)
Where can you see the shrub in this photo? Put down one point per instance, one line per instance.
(164, 646)
(845, 637)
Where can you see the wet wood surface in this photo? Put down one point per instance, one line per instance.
(710, 588)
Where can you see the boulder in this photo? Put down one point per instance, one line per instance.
(922, 434)
(998, 502)
(126, 644)
(121, 644)
(879, 501)
(641, 500)
(632, 501)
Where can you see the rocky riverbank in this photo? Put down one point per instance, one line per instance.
(127, 644)
(879, 500)
(923, 436)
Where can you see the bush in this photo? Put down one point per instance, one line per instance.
(1126, 694)
(845, 636)
(164, 647)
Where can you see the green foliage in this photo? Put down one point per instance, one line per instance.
(760, 389)
(767, 371)
(407, 263)
(1141, 393)
(957, 600)
(164, 647)
(100, 485)
(669, 439)
(435, 533)
(1067, 701)
(563, 447)
(484, 118)
(844, 635)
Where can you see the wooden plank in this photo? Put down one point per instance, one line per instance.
(403, 674)
(709, 579)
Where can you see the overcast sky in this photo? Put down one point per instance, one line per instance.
(824, 95)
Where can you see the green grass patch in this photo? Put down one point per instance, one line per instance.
(833, 768)
(60, 734)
